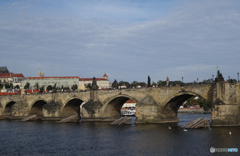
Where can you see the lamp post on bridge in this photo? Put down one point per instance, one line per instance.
(182, 81)
(238, 76)
(197, 80)
(228, 77)
(212, 78)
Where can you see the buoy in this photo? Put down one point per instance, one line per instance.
(230, 133)
(169, 127)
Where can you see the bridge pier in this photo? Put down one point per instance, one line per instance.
(226, 115)
(149, 111)
(51, 111)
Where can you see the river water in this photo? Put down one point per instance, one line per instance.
(98, 138)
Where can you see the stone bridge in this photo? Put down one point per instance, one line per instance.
(154, 105)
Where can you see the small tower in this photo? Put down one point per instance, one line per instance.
(105, 76)
(39, 73)
(42, 75)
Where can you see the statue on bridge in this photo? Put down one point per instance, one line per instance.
(149, 82)
(219, 77)
(167, 81)
(94, 84)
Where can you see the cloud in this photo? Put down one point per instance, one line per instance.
(188, 41)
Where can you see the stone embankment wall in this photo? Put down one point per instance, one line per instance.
(190, 110)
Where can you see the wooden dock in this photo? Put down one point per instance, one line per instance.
(67, 119)
(122, 120)
(29, 117)
(197, 123)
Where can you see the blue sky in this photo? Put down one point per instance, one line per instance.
(128, 40)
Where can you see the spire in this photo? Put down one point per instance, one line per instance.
(39, 73)
(105, 76)
(42, 75)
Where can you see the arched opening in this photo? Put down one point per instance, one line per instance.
(37, 108)
(8, 108)
(187, 107)
(120, 106)
(72, 108)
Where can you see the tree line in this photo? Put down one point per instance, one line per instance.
(50, 87)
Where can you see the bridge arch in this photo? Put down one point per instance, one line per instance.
(112, 106)
(175, 101)
(71, 107)
(8, 107)
(36, 107)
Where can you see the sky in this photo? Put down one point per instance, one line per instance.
(128, 40)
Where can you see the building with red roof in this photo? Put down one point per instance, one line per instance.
(42, 81)
(15, 79)
(101, 82)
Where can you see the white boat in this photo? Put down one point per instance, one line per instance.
(128, 112)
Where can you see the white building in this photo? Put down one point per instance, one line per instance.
(64, 81)
(129, 104)
(102, 83)
(15, 79)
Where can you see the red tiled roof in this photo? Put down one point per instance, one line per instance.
(18, 75)
(130, 101)
(55, 77)
(105, 75)
(6, 75)
(90, 79)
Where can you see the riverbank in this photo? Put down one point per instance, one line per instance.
(193, 110)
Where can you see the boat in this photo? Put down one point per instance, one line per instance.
(129, 112)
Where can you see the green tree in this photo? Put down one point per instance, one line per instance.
(134, 84)
(74, 87)
(88, 86)
(27, 85)
(49, 87)
(36, 86)
(200, 101)
(10, 85)
(7, 85)
(124, 83)
(161, 83)
(17, 87)
(115, 84)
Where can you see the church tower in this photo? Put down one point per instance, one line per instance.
(42, 75)
(39, 73)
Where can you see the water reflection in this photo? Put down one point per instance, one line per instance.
(98, 138)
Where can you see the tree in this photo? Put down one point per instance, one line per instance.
(200, 101)
(134, 84)
(125, 83)
(11, 86)
(88, 86)
(49, 87)
(115, 84)
(36, 86)
(7, 85)
(17, 87)
(27, 85)
(74, 87)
